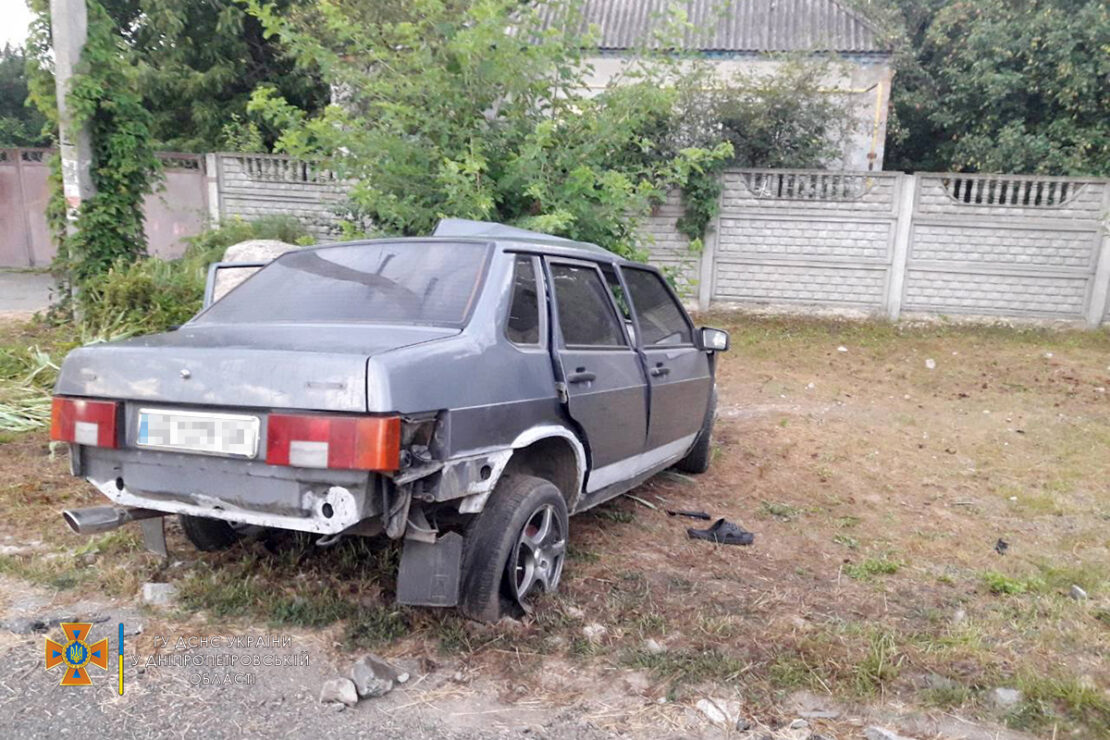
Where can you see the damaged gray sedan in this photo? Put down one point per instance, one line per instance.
(463, 392)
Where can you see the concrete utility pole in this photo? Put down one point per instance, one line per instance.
(69, 27)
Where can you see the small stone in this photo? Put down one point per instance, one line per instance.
(653, 647)
(743, 725)
(811, 386)
(402, 678)
(931, 364)
(724, 713)
(575, 613)
(842, 348)
(882, 733)
(799, 724)
(1048, 355)
(372, 676)
(819, 714)
(339, 690)
(1078, 593)
(1003, 698)
(959, 616)
(159, 594)
(594, 632)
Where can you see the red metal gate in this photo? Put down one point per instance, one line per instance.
(179, 209)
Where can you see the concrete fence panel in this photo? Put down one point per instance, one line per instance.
(1009, 245)
(1017, 246)
(253, 185)
(805, 237)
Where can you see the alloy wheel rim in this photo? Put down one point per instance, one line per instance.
(537, 560)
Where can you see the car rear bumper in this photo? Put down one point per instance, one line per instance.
(250, 492)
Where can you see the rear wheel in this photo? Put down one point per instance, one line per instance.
(697, 459)
(208, 535)
(515, 548)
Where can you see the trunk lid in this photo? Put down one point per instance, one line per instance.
(318, 367)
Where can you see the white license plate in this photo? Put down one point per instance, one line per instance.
(195, 431)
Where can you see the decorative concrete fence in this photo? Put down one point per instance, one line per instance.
(254, 185)
(885, 243)
(889, 244)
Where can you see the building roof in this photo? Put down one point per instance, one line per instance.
(730, 26)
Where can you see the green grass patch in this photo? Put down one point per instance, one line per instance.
(688, 665)
(1004, 585)
(868, 569)
(785, 512)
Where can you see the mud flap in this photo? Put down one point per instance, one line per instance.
(154, 535)
(430, 572)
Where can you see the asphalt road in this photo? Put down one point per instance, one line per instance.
(166, 698)
(24, 292)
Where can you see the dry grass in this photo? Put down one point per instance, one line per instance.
(877, 495)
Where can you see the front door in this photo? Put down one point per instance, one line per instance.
(678, 372)
(605, 387)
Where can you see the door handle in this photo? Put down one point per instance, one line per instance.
(581, 377)
(659, 371)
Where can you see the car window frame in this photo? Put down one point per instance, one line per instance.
(636, 313)
(560, 341)
(541, 301)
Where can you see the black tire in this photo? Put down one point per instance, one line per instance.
(208, 535)
(697, 459)
(493, 538)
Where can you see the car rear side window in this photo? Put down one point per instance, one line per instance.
(523, 326)
(586, 315)
(661, 318)
(411, 282)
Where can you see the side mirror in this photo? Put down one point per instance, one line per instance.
(712, 340)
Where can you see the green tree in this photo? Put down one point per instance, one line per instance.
(1000, 85)
(20, 124)
(124, 169)
(471, 109)
(196, 63)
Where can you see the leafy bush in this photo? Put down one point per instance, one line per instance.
(445, 112)
(150, 295)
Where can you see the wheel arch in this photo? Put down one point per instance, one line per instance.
(553, 453)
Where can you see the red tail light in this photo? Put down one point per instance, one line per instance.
(84, 422)
(341, 442)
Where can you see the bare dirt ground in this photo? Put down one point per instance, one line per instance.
(879, 467)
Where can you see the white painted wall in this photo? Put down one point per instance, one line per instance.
(865, 79)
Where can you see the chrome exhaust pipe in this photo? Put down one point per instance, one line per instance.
(104, 518)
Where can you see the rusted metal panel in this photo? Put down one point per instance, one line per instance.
(180, 208)
(24, 237)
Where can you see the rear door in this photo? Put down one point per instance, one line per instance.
(678, 372)
(605, 387)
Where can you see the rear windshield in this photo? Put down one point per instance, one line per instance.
(407, 282)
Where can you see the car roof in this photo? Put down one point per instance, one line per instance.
(507, 238)
(512, 235)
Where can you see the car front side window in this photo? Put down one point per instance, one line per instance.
(661, 318)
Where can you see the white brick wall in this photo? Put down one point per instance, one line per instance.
(948, 292)
(785, 283)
